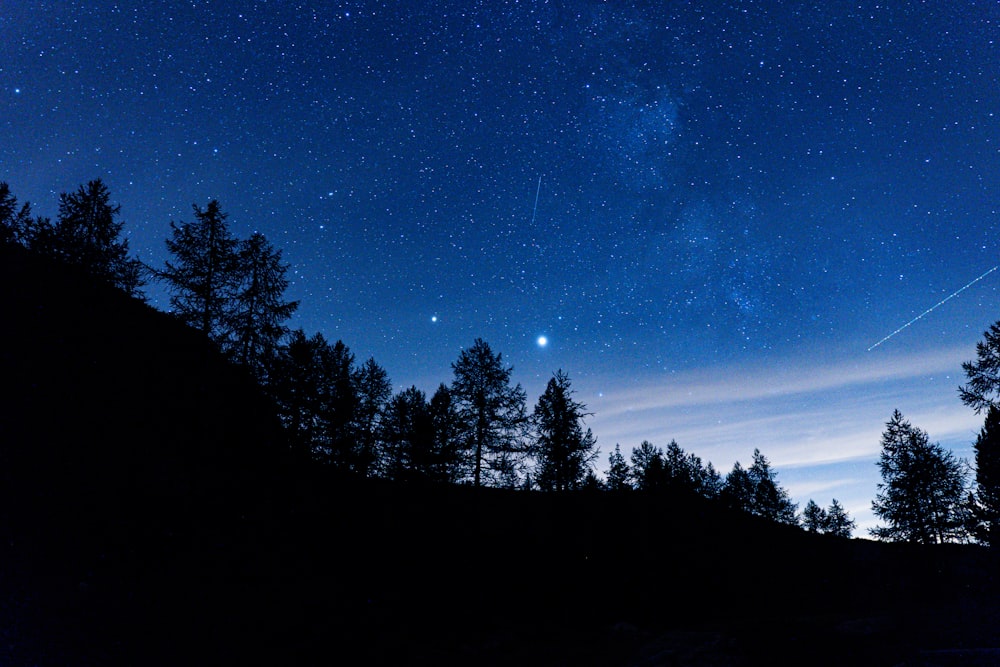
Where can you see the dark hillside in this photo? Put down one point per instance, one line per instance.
(149, 516)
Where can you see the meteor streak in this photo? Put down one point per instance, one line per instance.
(537, 190)
(935, 306)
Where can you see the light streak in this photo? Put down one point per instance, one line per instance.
(535, 209)
(935, 306)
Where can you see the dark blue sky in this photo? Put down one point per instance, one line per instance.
(736, 199)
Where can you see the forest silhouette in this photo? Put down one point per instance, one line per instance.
(211, 488)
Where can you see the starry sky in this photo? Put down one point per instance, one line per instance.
(711, 211)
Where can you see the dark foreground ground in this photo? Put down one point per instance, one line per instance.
(147, 517)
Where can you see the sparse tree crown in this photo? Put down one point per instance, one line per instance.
(563, 448)
(491, 413)
(921, 496)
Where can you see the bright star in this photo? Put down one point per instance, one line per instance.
(434, 318)
(542, 341)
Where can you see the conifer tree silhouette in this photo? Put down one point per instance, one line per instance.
(491, 413)
(563, 449)
(203, 277)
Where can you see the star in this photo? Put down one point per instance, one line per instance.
(542, 341)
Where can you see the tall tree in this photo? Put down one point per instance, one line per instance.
(647, 467)
(711, 482)
(15, 221)
(619, 475)
(87, 234)
(448, 463)
(685, 471)
(373, 390)
(986, 504)
(738, 490)
(259, 308)
(341, 408)
(814, 517)
(313, 385)
(756, 490)
(770, 500)
(300, 387)
(838, 521)
(408, 433)
(983, 388)
(564, 450)
(492, 414)
(204, 274)
(922, 493)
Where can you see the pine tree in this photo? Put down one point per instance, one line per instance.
(299, 387)
(838, 522)
(448, 461)
(313, 386)
(407, 430)
(619, 475)
(260, 310)
(341, 408)
(492, 414)
(770, 500)
(987, 496)
(648, 469)
(685, 471)
(711, 482)
(15, 222)
(564, 450)
(738, 490)
(88, 235)
(373, 390)
(922, 493)
(756, 490)
(983, 388)
(204, 276)
(814, 518)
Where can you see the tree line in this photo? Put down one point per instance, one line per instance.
(477, 429)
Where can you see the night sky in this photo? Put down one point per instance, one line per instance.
(711, 213)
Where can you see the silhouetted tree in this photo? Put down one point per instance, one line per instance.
(491, 412)
(564, 450)
(204, 275)
(408, 434)
(756, 490)
(685, 471)
(259, 309)
(448, 463)
(983, 388)
(313, 385)
(15, 221)
(373, 391)
(986, 502)
(711, 482)
(341, 446)
(299, 386)
(648, 469)
(619, 475)
(922, 493)
(592, 482)
(838, 522)
(87, 235)
(738, 489)
(770, 500)
(814, 517)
